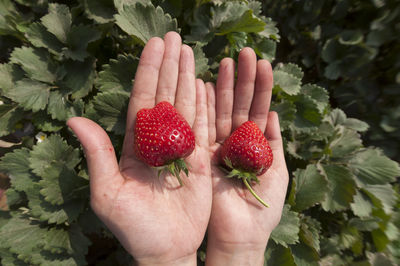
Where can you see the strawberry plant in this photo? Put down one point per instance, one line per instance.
(60, 60)
(351, 48)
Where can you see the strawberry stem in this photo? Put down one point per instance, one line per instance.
(253, 193)
(174, 168)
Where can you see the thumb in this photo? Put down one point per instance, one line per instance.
(105, 177)
(274, 137)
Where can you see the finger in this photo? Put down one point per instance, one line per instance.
(224, 99)
(168, 77)
(273, 189)
(262, 94)
(244, 88)
(210, 89)
(144, 89)
(200, 126)
(274, 137)
(105, 177)
(185, 101)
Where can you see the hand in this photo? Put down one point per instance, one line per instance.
(240, 226)
(156, 221)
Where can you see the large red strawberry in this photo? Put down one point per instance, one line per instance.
(163, 138)
(247, 154)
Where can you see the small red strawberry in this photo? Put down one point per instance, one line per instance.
(247, 154)
(163, 138)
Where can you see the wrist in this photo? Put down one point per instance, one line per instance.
(235, 254)
(188, 260)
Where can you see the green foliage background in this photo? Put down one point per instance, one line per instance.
(78, 58)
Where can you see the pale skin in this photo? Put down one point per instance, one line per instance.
(157, 221)
(239, 225)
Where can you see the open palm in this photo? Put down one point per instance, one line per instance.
(155, 219)
(238, 221)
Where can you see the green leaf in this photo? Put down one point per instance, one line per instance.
(45, 211)
(286, 111)
(255, 6)
(78, 40)
(365, 224)
(291, 69)
(111, 109)
(309, 232)
(362, 205)
(56, 241)
(201, 28)
(80, 77)
(286, 233)
(380, 239)
(38, 35)
(30, 94)
(71, 242)
(58, 21)
(43, 257)
(332, 51)
(16, 165)
(201, 61)
(174, 7)
(336, 117)
(270, 30)
(333, 71)
(383, 196)
(330, 245)
(336, 259)
(10, 259)
(311, 187)
(287, 82)
(307, 115)
(379, 259)
(35, 244)
(10, 114)
(52, 149)
(341, 188)
(61, 108)
(347, 141)
(318, 94)
(44, 122)
(10, 19)
(237, 41)
(304, 255)
(60, 184)
(100, 11)
(230, 17)
(118, 74)
(22, 236)
(278, 255)
(14, 198)
(235, 17)
(372, 167)
(4, 218)
(119, 4)
(33, 4)
(351, 37)
(349, 236)
(145, 21)
(356, 124)
(79, 242)
(265, 48)
(9, 75)
(36, 63)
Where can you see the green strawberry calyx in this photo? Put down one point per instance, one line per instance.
(246, 176)
(174, 168)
